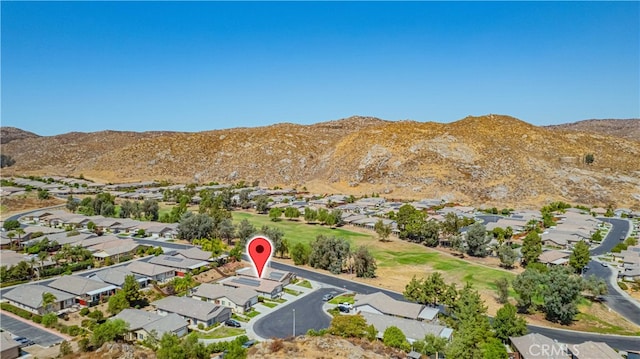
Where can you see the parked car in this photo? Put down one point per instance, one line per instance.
(24, 342)
(248, 344)
(604, 264)
(343, 309)
(232, 323)
(327, 297)
(348, 305)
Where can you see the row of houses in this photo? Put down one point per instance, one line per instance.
(572, 227)
(630, 268)
(61, 219)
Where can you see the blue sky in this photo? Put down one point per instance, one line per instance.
(88, 66)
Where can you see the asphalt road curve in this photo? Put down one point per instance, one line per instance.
(308, 314)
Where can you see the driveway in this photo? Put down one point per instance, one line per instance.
(22, 329)
(308, 315)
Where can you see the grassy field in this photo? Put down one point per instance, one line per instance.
(222, 332)
(397, 260)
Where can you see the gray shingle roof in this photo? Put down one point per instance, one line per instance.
(115, 275)
(524, 343)
(177, 262)
(148, 269)
(239, 296)
(31, 295)
(79, 285)
(140, 319)
(412, 329)
(594, 350)
(387, 305)
(195, 253)
(188, 307)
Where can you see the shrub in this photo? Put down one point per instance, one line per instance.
(75, 330)
(65, 348)
(96, 315)
(276, 345)
(49, 319)
(622, 286)
(84, 311)
(200, 326)
(84, 345)
(37, 319)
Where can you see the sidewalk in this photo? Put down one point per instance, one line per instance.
(264, 310)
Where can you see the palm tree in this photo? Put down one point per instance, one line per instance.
(42, 256)
(47, 300)
(32, 262)
(20, 232)
(11, 236)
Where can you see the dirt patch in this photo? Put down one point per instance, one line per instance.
(16, 204)
(323, 347)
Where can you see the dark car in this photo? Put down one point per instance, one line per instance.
(343, 309)
(24, 342)
(248, 344)
(232, 323)
(327, 297)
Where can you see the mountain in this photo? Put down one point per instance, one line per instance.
(8, 134)
(492, 160)
(629, 129)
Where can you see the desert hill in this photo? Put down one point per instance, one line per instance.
(8, 134)
(490, 159)
(629, 129)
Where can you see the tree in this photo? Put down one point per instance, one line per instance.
(262, 204)
(477, 240)
(395, 338)
(275, 213)
(473, 325)
(589, 158)
(47, 300)
(508, 324)
(527, 285)
(150, 208)
(364, 263)
(117, 303)
(72, 204)
(11, 224)
(595, 286)
(493, 349)
(561, 292)
(383, 231)
(170, 347)
(531, 248)
(226, 230)
(245, 231)
(458, 245)
(451, 224)
(291, 213)
(49, 319)
(310, 215)
(430, 345)
(329, 253)
(6, 161)
(348, 326)
(194, 226)
(108, 332)
(580, 256)
(300, 254)
(502, 286)
(597, 236)
(131, 290)
(43, 194)
(507, 256)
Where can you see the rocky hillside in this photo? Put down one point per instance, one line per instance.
(629, 129)
(322, 347)
(497, 160)
(8, 134)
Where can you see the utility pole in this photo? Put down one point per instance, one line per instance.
(294, 322)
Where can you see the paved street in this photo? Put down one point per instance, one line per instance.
(22, 329)
(619, 230)
(308, 314)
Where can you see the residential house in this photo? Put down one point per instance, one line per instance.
(194, 253)
(155, 272)
(143, 324)
(553, 257)
(593, 350)
(88, 292)
(9, 348)
(240, 300)
(29, 297)
(114, 249)
(268, 288)
(180, 265)
(537, 346)
(117, 275)
(380, 303)
(412, 329)
(283, 277)
(194, 311)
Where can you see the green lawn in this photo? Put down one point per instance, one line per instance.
(292, 292)
(481, 277)
(298, 231)
(222, 332)
(270, 304)
(305, 283)
(343, 299)
(252, 313)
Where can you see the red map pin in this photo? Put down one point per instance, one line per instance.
(260, 250)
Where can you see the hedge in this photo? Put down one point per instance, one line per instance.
(21, 312)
